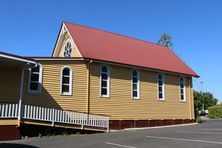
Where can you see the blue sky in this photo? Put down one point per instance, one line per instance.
(30, 28)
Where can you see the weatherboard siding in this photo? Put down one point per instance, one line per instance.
(121, 106)
(50, 95)
(61, 46)
(10, 84)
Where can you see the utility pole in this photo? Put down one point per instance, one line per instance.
(201, 87)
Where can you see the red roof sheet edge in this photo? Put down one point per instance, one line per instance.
(111, 62)
(151, 69)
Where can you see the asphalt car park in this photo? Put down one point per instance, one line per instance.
(205, 135)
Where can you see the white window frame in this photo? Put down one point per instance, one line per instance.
(184, 89)
(108, 81)
(163, 87)
(39, 81)
(70, 80)
(138, 85)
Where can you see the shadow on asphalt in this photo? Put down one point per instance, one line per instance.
(11, 145)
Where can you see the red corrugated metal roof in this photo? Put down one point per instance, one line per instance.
(111, 47)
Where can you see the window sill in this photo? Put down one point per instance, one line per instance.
(182, 101)
(161, 100)
(65, 94)
(105, 97)
(135, 98)
(34, 92)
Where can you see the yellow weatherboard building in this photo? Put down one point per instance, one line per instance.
(95, 80)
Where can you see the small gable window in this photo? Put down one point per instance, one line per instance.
(68, 49)
(160, 80)
(104, 81)
(66, 81)
(35, 79)
(135, 85)
(182, 89)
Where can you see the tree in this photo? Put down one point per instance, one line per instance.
(165, 40)
(205, 98)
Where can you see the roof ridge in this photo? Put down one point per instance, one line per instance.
(115, 34)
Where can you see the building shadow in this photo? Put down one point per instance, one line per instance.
(14, 145)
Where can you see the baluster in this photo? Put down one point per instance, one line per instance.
(28, 112)
(0, 110)
(6, 110)
(63, 116)
(25, 110)
(16, 110)
(13, 110)
(3, 110)
(48, 114)
(34, 113)
(9, 110)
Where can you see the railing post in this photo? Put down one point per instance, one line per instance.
(53, 117)
(107, 126)
(21, 96)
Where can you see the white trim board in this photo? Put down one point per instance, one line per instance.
(16, 58)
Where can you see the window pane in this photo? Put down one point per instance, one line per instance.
(135, 80)
(181, 85)
(65, 88)
(34, 86)
(182, 97)
(160, 95)
(134, 73)
(104, 83)
(181, 91)
(160, 83)
(35, 77)
(66, 71)
(104, 76)
(104, 91)
(134, 86)
(134, 93)
(35, 69)
(181, 80)
(104, 69)
(160, 77)
(65, 80)
(160, 89)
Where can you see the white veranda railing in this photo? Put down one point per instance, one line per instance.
(8, 110)
(53, 115)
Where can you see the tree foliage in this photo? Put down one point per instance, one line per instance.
(205, 98)
(215, 112)
(165, 40)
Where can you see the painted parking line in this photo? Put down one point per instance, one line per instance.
(188, 140)
(188, 132)
(212, 129)
(119, 145)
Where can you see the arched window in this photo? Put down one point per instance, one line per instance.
(104, 81)
(35, 79)
(67, 49)
(182, 89)
(135, 85)
(160, 80)
(66, 81)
